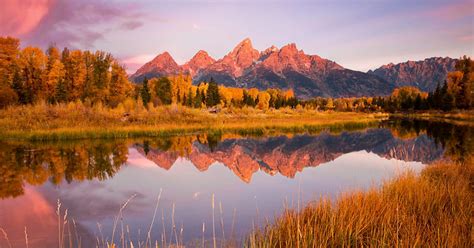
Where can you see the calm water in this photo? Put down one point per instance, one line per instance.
(252, 178)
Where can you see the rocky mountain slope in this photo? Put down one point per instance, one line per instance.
(161, 66)
(308, 75)
(285, 68)
(424, 74)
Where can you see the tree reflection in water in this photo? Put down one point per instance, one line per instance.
(35, 163)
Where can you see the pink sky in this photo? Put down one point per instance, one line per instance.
(359, 35)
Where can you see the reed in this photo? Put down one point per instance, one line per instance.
(430, 209)
(77, 121)
(427, 210)
(148, 238)
(5, 236)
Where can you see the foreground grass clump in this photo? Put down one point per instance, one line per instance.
(434, 209)
(78, 121)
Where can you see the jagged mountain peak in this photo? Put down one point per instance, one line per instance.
(198, 62)
(291, 47)
(243, 48)
(162, 58)
(201, 53)
(162, 65)
(290, 68)
(424, 74)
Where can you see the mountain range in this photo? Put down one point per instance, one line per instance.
(289, 155)
(290, 68)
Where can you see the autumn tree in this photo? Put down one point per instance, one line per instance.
(9, 50)
(8, 68)
(179, 87)
(263, 100)
(78, 83)
(32, 62)
(120, 87)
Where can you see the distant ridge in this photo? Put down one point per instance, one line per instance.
(424, 74)
(289, 68)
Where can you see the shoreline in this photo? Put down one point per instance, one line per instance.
(56, 122)
(75, 121)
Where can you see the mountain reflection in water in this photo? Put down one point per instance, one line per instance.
(93, 178)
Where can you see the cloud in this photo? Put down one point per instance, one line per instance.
(76, 24)
(20, 17)
(452, 11)
(196, 26)
(131, 25)
(466, 38)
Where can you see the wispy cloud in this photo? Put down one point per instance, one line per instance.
(67, 23)
(132, 25)
(20, 17)
(452, 10)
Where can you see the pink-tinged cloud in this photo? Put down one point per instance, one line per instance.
(453, 10)
(76, 24)
(18, 17)
(467, 38)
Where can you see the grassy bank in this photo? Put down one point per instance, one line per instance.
(76, 121)
(433, 209)
(458, 117)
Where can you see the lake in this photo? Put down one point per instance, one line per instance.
(251, 179)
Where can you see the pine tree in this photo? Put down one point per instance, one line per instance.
(437, 97)
(163, 90)
(197, 99)
(447, 99)
(203, 97)
(189, 99)
(145, 93)
(418, 102)
(462, 96)
(212, 98)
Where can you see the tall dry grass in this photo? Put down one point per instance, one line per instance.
(434, 209)
(78, 121)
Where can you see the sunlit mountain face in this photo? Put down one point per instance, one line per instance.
(250, 177)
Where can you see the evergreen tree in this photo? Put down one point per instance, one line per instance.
(145, 93)
(198, 99)
(418, 102)
(203, 97)
(163, 90)
(462, 96)
(189, 99)
(437, 97)
(447, 99)
(212, 98)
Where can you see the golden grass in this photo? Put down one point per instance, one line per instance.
(434, 209)
(76, 121)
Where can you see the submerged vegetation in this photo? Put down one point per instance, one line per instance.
(433, 209)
